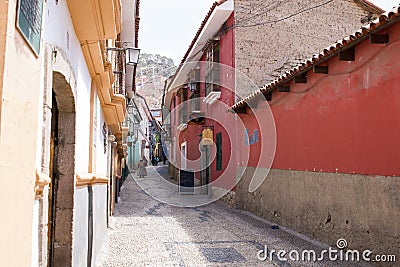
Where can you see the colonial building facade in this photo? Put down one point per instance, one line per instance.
(335, 173)
(240, 45)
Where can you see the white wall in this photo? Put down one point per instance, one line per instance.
(57, 33)
(80, 240)
(61, 33)
(128, 33)
(101, 157)
(99, 218)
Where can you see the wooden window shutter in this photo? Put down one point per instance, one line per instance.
(218, 140)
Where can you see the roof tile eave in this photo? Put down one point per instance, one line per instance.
(197, 35)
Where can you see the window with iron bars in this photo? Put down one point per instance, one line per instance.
(183, 111)
(212, 68)
(194, 86)
(195, 100)
(117, 59)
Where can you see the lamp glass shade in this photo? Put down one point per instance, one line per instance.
(192, 86)
(130, 110)
(131, 127)
(132, 55)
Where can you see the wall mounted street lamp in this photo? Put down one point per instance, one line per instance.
(131, 53)
(132, 56)
(192, 86)
(123, 55)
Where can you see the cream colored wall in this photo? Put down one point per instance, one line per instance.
(3, 31)
(19, 115)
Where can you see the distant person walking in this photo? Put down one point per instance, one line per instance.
(142, 172)
(154, 160)
(164, 157)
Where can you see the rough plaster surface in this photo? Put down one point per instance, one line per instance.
(365, 210)
(281, 45)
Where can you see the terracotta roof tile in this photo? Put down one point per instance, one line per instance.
(351, 40)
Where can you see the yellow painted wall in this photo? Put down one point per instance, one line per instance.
(18, 130)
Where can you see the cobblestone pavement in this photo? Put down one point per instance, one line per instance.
(146, 232)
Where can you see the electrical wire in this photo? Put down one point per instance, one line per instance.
(234, 25)
(257, 6)
(286, 17)
(253, 11)
(281, 3)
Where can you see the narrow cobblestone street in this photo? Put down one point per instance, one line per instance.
(200, 133)
(146, 232)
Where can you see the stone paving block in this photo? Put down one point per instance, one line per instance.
(222, 255)
(147, 232)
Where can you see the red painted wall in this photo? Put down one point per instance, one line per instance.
(227, 58)
(221, 120)
(347, 121)
(224, 121)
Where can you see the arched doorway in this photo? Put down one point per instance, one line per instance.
(62, 172)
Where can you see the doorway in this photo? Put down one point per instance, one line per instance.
(205, 169)
(54, 182)
(62, 173)
(184, 156)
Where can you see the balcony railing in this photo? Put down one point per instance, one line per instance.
(195, 101)
(183, 113)
(213, 79)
